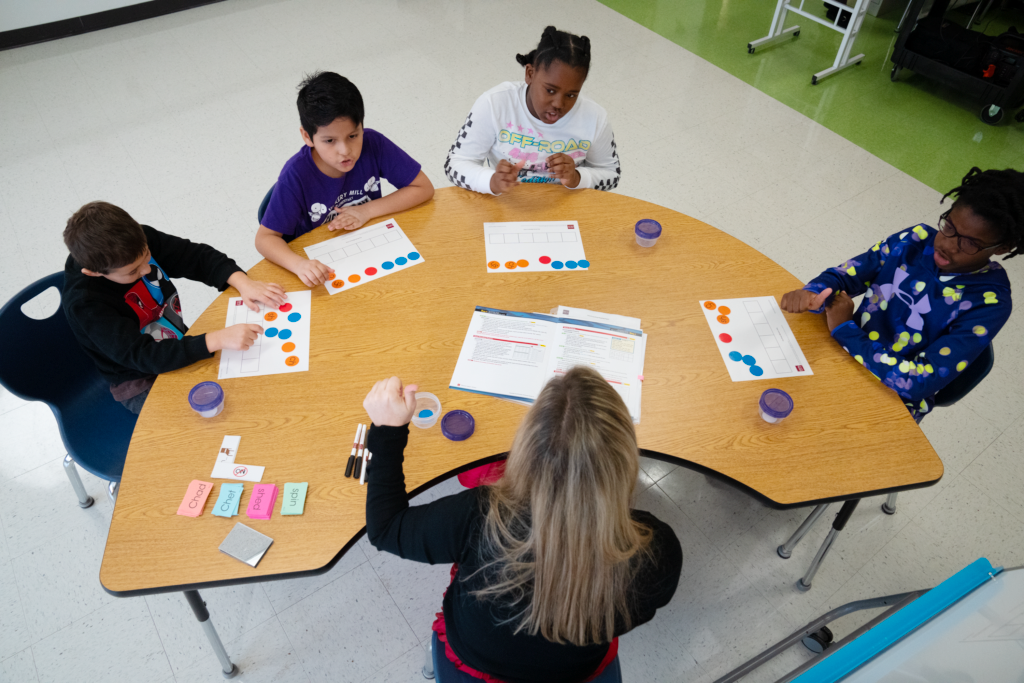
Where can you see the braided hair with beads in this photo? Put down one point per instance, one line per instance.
(997, 197)
(565, 47)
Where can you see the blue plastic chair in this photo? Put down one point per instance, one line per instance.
(953, 392)
(40, 360)
(263, 209)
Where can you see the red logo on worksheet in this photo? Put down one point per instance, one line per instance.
(571, 227)
(799, 368)
(390, 225)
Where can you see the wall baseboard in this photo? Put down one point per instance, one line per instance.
(94, 22)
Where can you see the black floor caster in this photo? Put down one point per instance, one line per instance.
(1019, 118)
(895, 75)
(987, 115)
(819, 641)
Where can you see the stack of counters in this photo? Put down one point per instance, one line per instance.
(207, 399)
(261, 501)
(458, 425)
(647, 232)
(775, 405)
(428, 408)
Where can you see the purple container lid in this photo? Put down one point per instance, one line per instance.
(776, 403)
(458, 425)
(205, 396)
(648, 229)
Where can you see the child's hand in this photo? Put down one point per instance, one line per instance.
(254, 292)
(237, 337)
(801, 301)
(563, 167)
(388, 404)
(505, 176)
(840, 311)
(348, 218)
(313, 273)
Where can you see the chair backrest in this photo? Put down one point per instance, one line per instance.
(263, 205)
(40, 360)
(263, 209)
(968, 379)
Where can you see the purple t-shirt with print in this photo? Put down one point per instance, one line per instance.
(305, 198)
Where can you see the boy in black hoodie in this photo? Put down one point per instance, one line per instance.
(120, 302)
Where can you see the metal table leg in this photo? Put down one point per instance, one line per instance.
(786, 549)
(889, 506)
(199, 607)
(842, 518)
(84, 499)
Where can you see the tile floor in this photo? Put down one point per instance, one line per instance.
(185, 120)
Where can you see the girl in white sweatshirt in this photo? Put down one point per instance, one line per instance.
(538, 131)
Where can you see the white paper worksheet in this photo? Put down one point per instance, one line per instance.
(366, 254)
(512, 355)
(284, 344)
(541, 246)
(754, 339)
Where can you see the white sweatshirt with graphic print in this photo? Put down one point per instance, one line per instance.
(500, 126)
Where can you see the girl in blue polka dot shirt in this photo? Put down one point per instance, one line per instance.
(932, 298)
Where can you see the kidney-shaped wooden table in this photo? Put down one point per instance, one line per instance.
(849, 436)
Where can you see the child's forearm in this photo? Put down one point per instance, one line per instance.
(414, 194)
(276, 250)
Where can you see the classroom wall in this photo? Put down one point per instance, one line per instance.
(16, 14)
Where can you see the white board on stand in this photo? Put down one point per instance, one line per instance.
(754, 339)
(284, 344)
(540, 246)
(366, 254)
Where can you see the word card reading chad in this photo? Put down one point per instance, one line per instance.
(541, 246)
(366, 254)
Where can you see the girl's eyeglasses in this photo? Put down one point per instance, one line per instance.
(965, 244)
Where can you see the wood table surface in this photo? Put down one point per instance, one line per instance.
(847, 436)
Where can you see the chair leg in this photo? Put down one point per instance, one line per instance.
(889, 506)
(785, 550)
(112, 488)
(84, 499)
(428, 666)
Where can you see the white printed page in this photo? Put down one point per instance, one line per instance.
(754, 339)
(504, 354)
(284, 344)
(540, 246)
(616, 353)
(370, 253)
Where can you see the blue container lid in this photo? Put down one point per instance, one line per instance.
(648, 229)
(205, 396)
(458, 425)
(776, 403)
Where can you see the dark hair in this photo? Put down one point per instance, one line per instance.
(998, 198)
(102, 237)
(325, 96)
(573, 50)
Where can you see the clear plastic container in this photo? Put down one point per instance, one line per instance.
(647, 232)
(207, 399)
(775, 405)
(458, 425)
(428, 409)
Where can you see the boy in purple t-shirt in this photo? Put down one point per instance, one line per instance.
(335, 179)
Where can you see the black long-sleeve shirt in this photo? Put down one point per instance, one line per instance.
(449, 530)
(126, 331)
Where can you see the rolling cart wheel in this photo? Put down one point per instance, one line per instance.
(991, 114)
(819, 641)
(796, 33)
(750, 50)
(1019, 118)
(814, 80)
(895, 75)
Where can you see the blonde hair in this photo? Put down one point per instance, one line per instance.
(560, 546)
